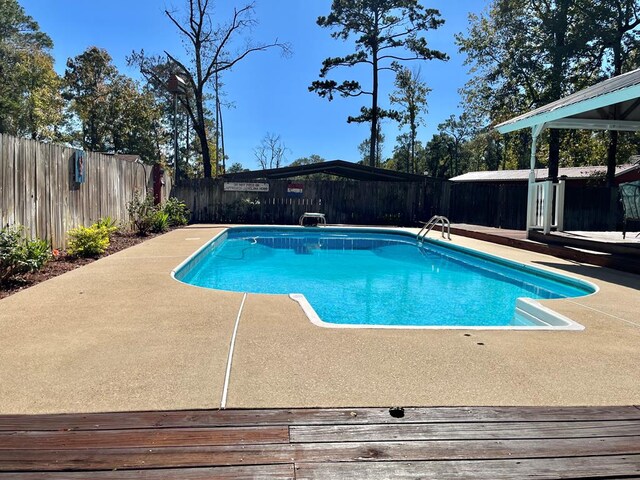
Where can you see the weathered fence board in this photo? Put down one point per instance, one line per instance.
(350, 202)
(587, 207)
(38, 188)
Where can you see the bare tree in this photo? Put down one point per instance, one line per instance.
(271, 151)
(209, 49)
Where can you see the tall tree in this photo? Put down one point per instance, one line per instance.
(30, 104)
(209, 52)
(88, 80)
(114, 114)
(411, 94)
(526, 53)
(271, 151)
(136, 120)
(458, 131)
(385, 31)
(617, 37)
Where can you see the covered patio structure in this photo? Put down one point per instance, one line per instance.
(613, 104)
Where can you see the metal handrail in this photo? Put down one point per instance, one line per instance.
(433, 221)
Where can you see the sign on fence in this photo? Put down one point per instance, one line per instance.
(80, 166)
(294, 189)
(245, 187)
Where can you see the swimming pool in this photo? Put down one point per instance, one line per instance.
(373, 277)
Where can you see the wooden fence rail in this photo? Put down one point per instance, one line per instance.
(38, 188)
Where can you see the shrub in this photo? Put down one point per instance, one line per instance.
(19, 254)
(88, 241)
(160, 222)
(142, 212)
(109, 224)
(177, 211)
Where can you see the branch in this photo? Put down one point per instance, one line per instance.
(184, 69)
(235, 25)
(180, 27)
(260, 48)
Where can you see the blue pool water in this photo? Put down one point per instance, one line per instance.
(359, 276)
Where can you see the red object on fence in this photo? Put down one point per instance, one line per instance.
(158, 182)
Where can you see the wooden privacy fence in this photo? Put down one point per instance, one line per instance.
(393, 203)
(352, 202)
(505, 206)
(38, 188)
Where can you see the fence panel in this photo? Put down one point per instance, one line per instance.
(38, 190)
(342, 201)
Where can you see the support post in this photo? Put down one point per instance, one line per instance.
(531, 200)
(547, 205)
(560, 206)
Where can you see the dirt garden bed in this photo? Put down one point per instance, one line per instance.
(63, 263)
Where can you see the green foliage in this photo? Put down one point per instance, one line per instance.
(109, 224)
(159, 221)
(523, 54)
(236, 167)
(177, 212)
(88, 241)
(114, 114)
(30, 102)
(410, 94)
(142, 213)
(20, 255)
(385, 33)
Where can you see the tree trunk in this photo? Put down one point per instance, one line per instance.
(201, 130)
(554, 153)
(374, 115)
(373, 147)
(560, 25)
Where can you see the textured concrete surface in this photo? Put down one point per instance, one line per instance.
(120, 334)
(283, 360)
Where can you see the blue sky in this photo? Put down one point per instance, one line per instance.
(269, 92)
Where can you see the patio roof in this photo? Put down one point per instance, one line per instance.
(338, 168)
(571, 173)
(610, 105)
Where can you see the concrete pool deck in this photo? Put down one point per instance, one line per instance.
(121, 335)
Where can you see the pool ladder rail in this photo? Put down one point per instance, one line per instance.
(428, 226)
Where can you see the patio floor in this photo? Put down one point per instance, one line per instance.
(121, 335)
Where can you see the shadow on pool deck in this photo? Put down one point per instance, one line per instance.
(121, 335)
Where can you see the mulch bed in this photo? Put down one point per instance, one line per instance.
(64, 263)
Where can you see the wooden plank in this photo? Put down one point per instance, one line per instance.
(131, 458)
(311, 416)
(158, 437)
(462, 431)
(250, 472)
(540, 468)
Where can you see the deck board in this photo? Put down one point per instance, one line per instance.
(308, 416)
(444, 442)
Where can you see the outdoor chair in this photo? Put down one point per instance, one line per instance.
(630, 197)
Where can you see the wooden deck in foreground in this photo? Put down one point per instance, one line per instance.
(426, 443)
